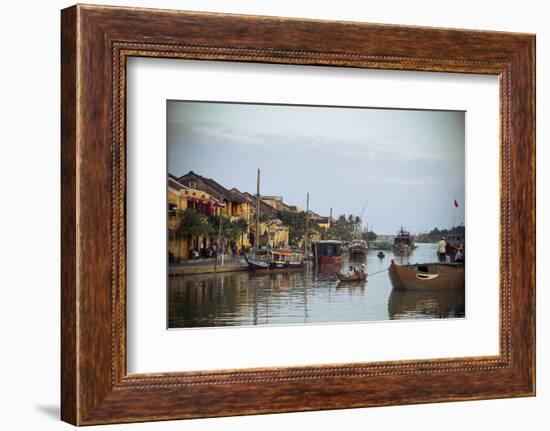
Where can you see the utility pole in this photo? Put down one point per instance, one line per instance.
(257, 228)
(218, 246)
(307, 225)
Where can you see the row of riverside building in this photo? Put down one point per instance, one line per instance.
(207, 197)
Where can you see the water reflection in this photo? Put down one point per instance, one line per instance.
(312, 296)
(419, 304)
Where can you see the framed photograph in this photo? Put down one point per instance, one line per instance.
(324, 214)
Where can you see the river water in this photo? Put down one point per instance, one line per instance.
(309, 297)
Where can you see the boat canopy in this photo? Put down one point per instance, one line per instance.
(328, 241)
(283, 253)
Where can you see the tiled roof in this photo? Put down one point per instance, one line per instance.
(175, 184)
(211, 187)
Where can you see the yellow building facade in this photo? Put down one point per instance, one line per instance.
(274, 234)
(181, 198)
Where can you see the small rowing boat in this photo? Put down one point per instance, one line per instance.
(351, 277)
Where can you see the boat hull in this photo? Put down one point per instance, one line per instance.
(357, 254)
(350, 278)
(260, 266)
(428, 276)
(329, 260)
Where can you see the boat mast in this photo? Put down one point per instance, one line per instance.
(257, 227)
(307, 225)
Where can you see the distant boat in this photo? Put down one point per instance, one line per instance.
(327, 252)
(357, 249)
(277, 261)
(381, 254)
(351, 277)
(403, 243)
(427, 276)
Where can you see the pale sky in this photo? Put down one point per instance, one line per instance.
(405, 167)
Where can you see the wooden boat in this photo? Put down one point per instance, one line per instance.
(327, 252)
(432, 276)
(277, 261)
(357, 249)
(351, 277)
(380, 254)
(256, 264)
(403, 243)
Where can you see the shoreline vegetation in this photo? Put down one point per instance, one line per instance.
(436, 234)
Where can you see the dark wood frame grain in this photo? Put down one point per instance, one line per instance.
(95, 43)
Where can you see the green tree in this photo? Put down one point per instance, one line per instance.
(369, 236)
(296, 223)
(344, 228)
(190, 224)
(435, 234)
(231, 230)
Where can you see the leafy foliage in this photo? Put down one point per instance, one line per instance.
(344, 229)
(368, 236)
(296, 223)
(191, 224)
(231, 230)
(436, 234)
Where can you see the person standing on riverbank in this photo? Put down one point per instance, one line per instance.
(442, 249)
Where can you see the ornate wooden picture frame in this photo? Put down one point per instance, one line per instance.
(96, 41)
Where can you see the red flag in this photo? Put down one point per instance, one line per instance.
(456, 203)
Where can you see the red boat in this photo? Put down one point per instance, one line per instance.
(327, 252)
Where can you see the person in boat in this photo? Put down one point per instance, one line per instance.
(363, 270)
(441, 249)
(352, 269)
(459, 255)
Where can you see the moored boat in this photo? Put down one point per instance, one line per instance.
(327, 252)
(427, 276)
(277, 261)
(256, 264)
(403, 243)
(357, 249)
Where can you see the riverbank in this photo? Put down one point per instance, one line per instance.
(206, 266)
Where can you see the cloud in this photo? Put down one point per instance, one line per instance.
(361, 148)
